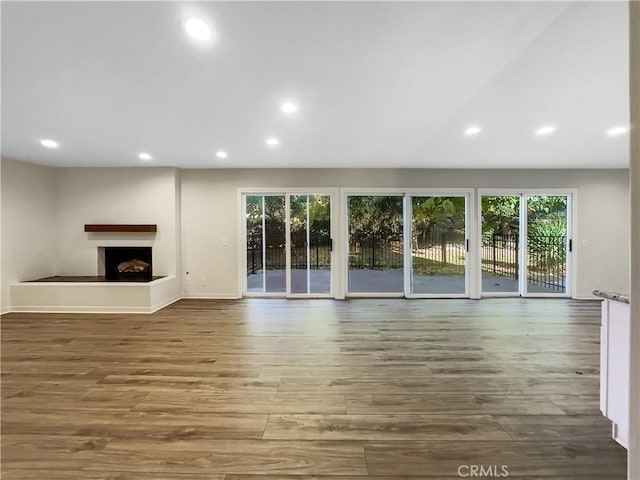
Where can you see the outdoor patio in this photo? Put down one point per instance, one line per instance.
(383, 281)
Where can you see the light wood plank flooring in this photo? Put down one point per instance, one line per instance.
(384, 389)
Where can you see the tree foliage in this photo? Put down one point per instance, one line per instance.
(545, 214)
(379, 216)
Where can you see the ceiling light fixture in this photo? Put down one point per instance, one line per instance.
(198, 29)
(145, 156)
(546, 130)
(273, 142)
(46, 142)
(473, 130)
(289, 107)
(221, 154)
(615, 131)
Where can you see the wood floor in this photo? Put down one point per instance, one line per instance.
(308, 389)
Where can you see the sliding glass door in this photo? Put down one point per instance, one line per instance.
(547, 244)
(406, 244)
(500, 253)
(376, 244)
(266, 242)
(310, 244)
(526, 244)
(288, 244)
(411, 243)
(438, 245)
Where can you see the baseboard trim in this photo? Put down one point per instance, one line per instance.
(83, 309)
(165, 303)
(211, 296)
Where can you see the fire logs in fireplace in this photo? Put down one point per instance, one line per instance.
(133, 266)
(128, 264)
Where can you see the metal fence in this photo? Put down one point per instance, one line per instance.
(447, 247)
(547, 261)
(365, 251)
(546, 258)
(374, 252)
(275, 255)
(500, 254)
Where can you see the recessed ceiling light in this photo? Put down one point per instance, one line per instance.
(273, 141)
(615, 131)
(221, 154)
(144, 156)
(289, 107)
(46, 142)
(198, 29)
(546, 130)
(473, 130)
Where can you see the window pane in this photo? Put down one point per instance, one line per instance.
(546, 244)
(438, 245)
(266, 261)
(500, 243)
(376, 259)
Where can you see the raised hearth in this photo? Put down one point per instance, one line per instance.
(86, 278)
(89, 294)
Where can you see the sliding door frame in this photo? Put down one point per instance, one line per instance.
(572, 222)
(467, 194)
(407, 194)
(368, 192)
(243, 192)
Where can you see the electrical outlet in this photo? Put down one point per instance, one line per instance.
(225, 242)
(187, 282)
(203, 282)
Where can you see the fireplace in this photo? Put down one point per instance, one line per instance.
(128, 264)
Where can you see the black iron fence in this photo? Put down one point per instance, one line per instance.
(447, 247)
(547, 261)
(500, 254)
(546, 258)
(365, 251)
(375, 252)
(274, 254)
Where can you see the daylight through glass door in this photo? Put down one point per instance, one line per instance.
(310, 244)
(438, 245)
(266, 241)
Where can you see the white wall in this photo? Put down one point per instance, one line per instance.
(113, 196)
(44, 211)
(28, 224)
(210, 215)
(634, 83)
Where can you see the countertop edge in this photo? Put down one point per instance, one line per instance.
(615, 296)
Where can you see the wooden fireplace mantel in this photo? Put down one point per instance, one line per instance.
(121, 228)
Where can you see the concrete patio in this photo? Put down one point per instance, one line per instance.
(383, 281)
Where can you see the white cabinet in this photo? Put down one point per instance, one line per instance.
(614, 367)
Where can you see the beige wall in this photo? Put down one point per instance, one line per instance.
(210, 214)
(28, 223)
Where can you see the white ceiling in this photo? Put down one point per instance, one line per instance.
(378, 84)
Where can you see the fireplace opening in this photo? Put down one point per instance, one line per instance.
(128, 264)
